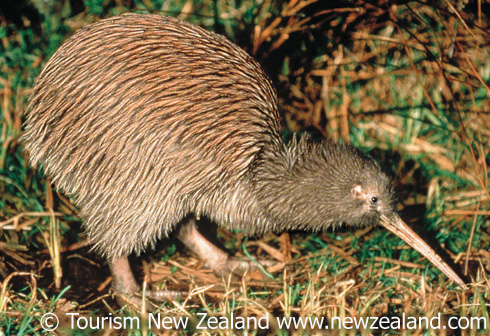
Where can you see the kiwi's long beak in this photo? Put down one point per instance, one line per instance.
(402, 230)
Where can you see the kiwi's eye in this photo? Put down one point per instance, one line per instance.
(374, 199)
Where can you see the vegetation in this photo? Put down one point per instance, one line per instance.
(407, 82)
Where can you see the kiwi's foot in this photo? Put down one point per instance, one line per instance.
(128, 292)
(215, 258)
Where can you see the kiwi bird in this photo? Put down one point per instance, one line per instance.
(150, 122)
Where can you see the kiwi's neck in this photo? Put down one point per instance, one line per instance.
(284, 185)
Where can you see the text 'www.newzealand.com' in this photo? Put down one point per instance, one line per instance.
(383, 323)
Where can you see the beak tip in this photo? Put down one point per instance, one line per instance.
(397, 226)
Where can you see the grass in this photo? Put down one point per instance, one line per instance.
(408, 83)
